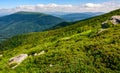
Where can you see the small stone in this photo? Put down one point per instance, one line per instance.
(51, 65)
(35, 54)
(43, 52)
(1, 55)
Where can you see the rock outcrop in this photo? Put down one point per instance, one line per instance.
(17, 60)
(115, 19)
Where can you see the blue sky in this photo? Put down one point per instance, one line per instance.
(59, 5)
(14, 3)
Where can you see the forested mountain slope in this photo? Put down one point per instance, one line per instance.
(25, 22)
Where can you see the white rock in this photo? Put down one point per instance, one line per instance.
(17, 59)
(66, 38)
(51, 65)
(43, 52)
(1, 55)
(15, 66)
(101, 30)
(115, 19)
(35, 54)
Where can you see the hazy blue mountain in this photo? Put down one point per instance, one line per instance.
(25, 22)
(58, 14)
(2, 15)
(79, 16)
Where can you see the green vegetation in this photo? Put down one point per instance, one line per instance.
(78, 48)
(107, 25)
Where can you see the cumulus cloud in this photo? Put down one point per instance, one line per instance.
(42, 8)
(88, 7)
(92, 5)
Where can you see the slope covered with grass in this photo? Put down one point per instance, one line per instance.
(81, 47)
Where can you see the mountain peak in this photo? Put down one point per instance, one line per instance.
(25, 12)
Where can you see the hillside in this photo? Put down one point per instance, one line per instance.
(61, 25)
(81, 47)
(25, 22)
(72, 17)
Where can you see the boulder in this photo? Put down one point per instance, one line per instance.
(115, 19)
(17, 60)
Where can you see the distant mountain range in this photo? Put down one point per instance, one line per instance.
(79, 16)
(2, 15)
(25, 22)
(68, 16)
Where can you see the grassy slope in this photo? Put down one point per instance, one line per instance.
(75, 48)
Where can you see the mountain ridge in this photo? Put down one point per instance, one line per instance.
(27, 22)
(72, 17)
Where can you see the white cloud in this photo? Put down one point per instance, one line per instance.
(92, 5)
(88, 7)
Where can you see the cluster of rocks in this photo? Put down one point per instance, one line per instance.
(37, 54)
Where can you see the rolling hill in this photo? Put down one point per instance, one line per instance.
(83, 47)
(25, 22)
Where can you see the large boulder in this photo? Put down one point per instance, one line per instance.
(115, 19)
(15, 61)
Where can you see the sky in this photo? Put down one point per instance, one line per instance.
(14, 3)
(59, 5)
